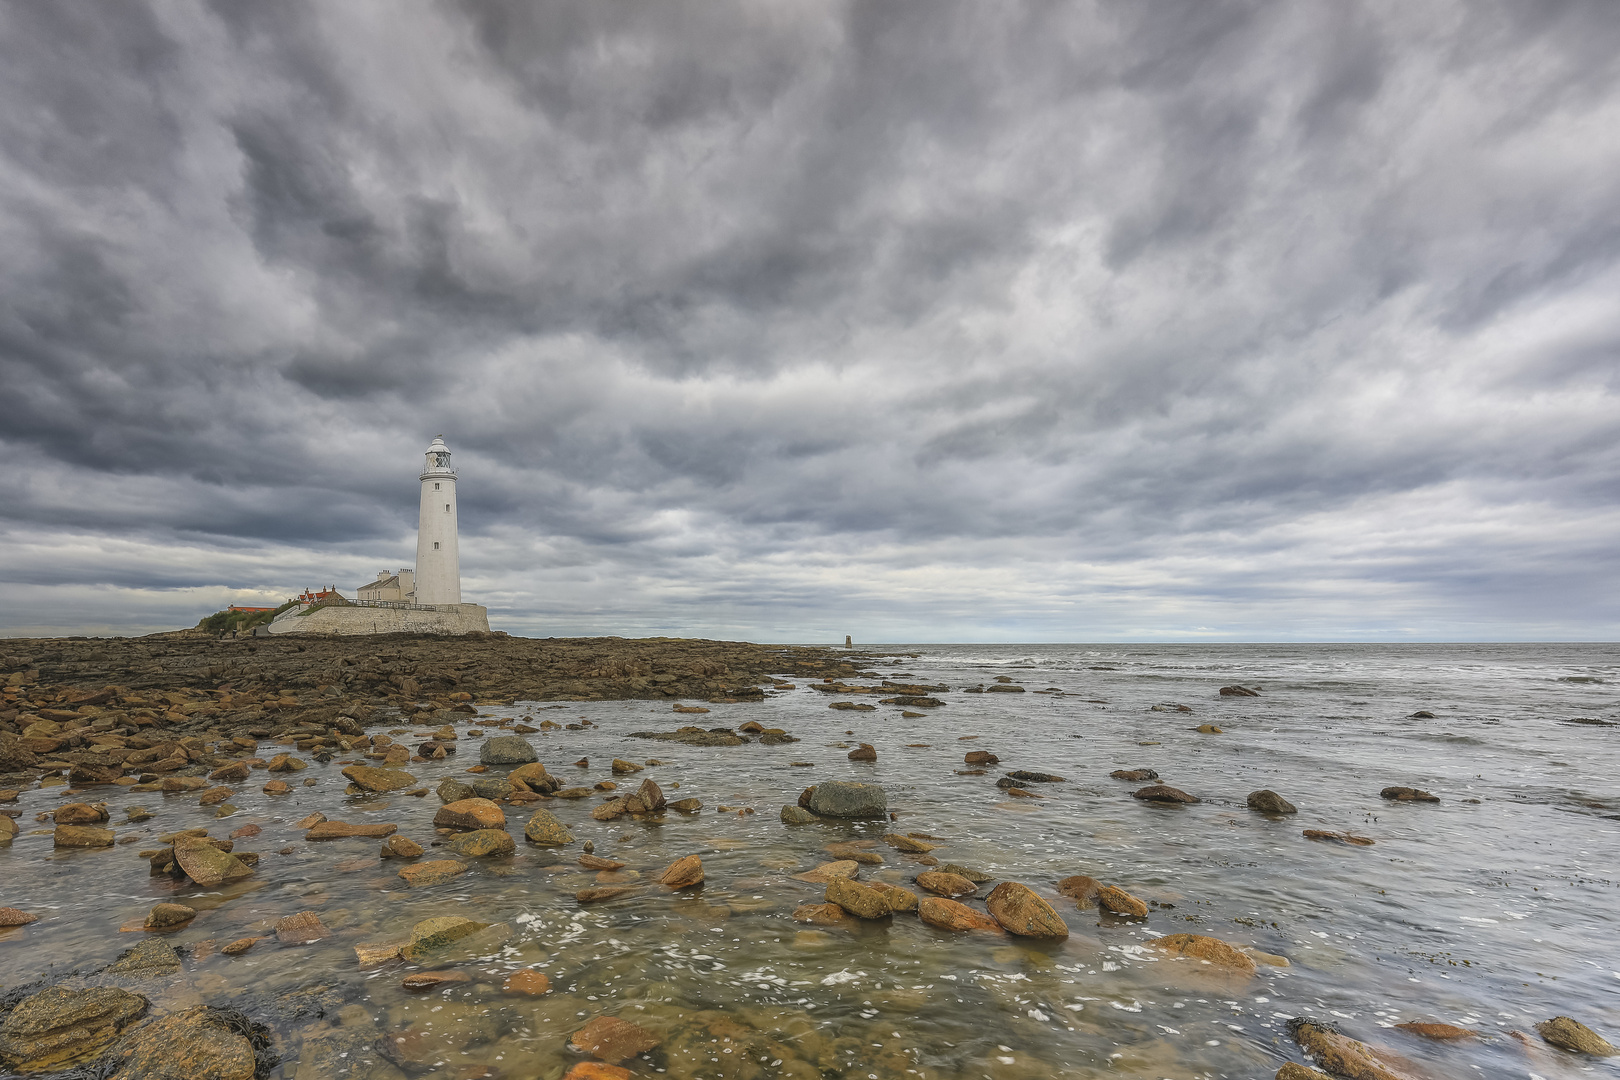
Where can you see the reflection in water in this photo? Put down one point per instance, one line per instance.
(1492, 909)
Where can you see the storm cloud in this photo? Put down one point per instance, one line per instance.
(1208, 320)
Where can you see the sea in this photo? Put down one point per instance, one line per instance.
(1493, 909)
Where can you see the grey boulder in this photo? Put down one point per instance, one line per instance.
(842, 799)
(507, 750)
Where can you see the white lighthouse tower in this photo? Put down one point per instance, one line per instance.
(438, 562)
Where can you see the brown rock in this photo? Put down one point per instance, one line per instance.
(596, 862)
(236, 770)
(58, 1027)
(1575, 1036)
(432, 872)
(612, 1039)
(945, 884)
(169, 916)
(1084, 889)
(527, 982)
(1207, 949)
(950, 915)
(247, 832)
(1438, 1032)
(1120, 902)
(206, 864)
(301, 929)
(276, 787)
(482, 842)
(1406, 794)
(819, 914)
(10, 916)
(1290, 1071)
(78, 813)
(1341, 837)
(649, 798)
(83, 836)
(1238, 691)
(859, 900)
(470, 814)
(1164, 793)
(341, 830)
(203, 1043)
(863, 752)
(1021, 912)
(844, 868)
(899, 899)
(1136, 776)
(980, 757)
(215, 796)
(370, 778)
(907, 844)
(622, 767)
(683, 873)
(597, 1070)
(239, 946)
(400, 847)
(598, 893)
(310, 821)
(1345, 1057)
(432, 980)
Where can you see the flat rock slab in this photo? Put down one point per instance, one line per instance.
(1164, 793)
(482, 842)
(148, 959)
(950, 915)
(1209, 950)
(612, 1040)
(206, 864)
(374, 779)
(59, 1027)
(843, 868)
(431, 934)
(945, 884)
(470, 814)
(203, 1043)
(433, 872)
(340, 830)
(301, 929)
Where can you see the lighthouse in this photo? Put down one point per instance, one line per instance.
(438, 562)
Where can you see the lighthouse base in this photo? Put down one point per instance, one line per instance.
(379, 618)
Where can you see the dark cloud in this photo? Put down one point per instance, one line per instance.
(907, 319)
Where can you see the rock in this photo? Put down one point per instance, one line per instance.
(8, 829)
(433, 934)
(78, 813)
(276, 787)
(842, 799)
(1084, 889)
(612, 1039)
(622, 767)
(239, 946)
(1573, 1035)
(544, 829)
(432, 872)
(470, 814)
(1269, 802)
(611, 810)
(648, 799)
(1438, 1032)
(863, 752)
(247, 832)
(604, 892)
(10, 916)
(147, 959)
(1341, 837)
(687, 806)
(1164, 793)
(1421, 714)
(1120, 902)
(374, 779)
(433, 980)
(683, 873)
(342, 830)
(482, 842)
(1210, 729)
(1036, 777)
(183, 783)
(597, 1070)
(820, 875)
(950, 915)
(400, 847)
(58, 1027)
(14, 756)
(899, 899)
(527, 982)
(978, 877)
(301, 929)
(452, 790)
(1136, 776)
(859, 900)
(819, 914)
(507, 750)
(1238, 691)
(1021, 912)
(236, 770)
(286, 763)
(168, 916)
(83, 836)
(309, 821)
(1345, 1057)
(981, 757)
(206, 864)
(907, 845)
(203, 1043)
(375, 954)
(1406, 794)
(1210, 950)
(945, 884)
(797, 815)
(1290, 1071)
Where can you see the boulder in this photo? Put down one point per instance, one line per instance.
(950, 915)
(1135, 776)
(1036, 777)
(342, 830)
(648, 799)
(978, 877)
(400, 847)
(147, 959)
(687, 806)
(202, 1043)
(612, 1040)
(302, 928)
(1437, 1032)
(945, 884)
(527, 982)
(1021, 912)
(1084, 889)
(820, 875)
(1269, 802)
(236, 770)
(83, 836)
(10, 916)
(59, 1027)
(169, 916)
(481, 842)
(980, 757)
(899, 899)
(1164, 793)
(863, 752)
(544, 829)
(1238, 691)
(1407, 794)
(371, 778)
(819, 914)
(1575, 1036)
(797, 815)
(432, 872)
(1207, 949)
(206, 864)
(14, 756)
(843, 799)
(622, 767)
(470, 814)
(1120, 902)
(432, 934)
(1290, 1071)
(78, 813)
(1340, 837)
(1343, 1056)
(859, 900)
(452, 790)
(683, 873)
(908, 845)
(507, 750)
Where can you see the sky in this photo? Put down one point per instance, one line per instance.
(913, 320)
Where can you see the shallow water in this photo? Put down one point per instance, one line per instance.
(1491, 914)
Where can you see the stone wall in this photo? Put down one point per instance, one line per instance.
(337, 619)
